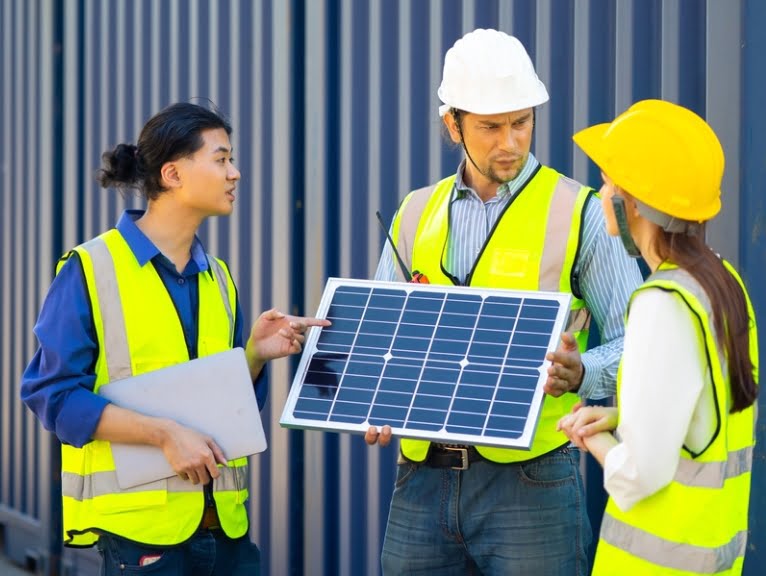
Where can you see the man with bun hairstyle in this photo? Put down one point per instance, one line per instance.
(139, 297)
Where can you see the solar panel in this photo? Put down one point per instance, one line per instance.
(447, 364)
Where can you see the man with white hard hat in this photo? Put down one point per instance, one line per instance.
(505, 221)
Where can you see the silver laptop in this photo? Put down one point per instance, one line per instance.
(213, 395)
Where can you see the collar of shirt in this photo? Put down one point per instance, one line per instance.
(462, 190)
(145, 250)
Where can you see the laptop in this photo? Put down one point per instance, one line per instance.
(213, 395)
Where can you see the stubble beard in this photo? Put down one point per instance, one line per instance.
(497, 179)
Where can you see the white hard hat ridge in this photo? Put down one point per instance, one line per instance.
(489, 72)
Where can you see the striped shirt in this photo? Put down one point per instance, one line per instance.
(607, 275)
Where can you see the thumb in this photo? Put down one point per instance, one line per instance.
(272, 314)
(568, 340)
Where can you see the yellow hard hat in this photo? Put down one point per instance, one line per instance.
(662, 154)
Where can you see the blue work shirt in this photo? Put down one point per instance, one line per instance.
(59, 381)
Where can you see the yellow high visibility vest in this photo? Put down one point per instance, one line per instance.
(698, 523)
(534, 246)
(138, 330)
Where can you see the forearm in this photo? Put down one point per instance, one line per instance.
(128, 427)
(600, 366)
(600, 444)
(254, 364)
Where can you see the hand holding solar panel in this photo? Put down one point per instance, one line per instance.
(567, 370)
(447, 364)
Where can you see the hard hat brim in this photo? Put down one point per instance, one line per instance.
(591, 141)
(490, 109)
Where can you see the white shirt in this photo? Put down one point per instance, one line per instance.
(666, 397)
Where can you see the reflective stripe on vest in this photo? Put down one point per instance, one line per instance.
(137, 334)
(533, 246)
(105, 483)
(687, 557)
(714, 474)
(698, 523)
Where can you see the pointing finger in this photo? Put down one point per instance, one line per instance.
(316, 322)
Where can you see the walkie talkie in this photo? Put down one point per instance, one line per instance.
(415, 277)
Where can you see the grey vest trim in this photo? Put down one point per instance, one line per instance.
(223, 286)
(408, 227)
(673, 555)
(105, 483)
(116, 350)
(687, 282)
(578, 320)
(557, 233)
(714, 474)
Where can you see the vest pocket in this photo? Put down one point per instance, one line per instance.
(510, 263)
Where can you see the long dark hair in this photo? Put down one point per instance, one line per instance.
(731, 319)
(173, 133)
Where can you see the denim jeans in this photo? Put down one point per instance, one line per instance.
(207, 553)
(525, 519)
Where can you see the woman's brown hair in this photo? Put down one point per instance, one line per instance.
(731, 319)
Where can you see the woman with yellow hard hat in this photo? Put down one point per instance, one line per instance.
(677, 467)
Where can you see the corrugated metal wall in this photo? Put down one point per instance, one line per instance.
(27, 173)
(335, 113)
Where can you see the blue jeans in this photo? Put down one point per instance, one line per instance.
(207, 553)
(525, 519)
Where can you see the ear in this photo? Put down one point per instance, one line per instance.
(451, 124)
(631, 207)
(170, 175)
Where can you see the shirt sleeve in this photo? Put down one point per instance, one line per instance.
(663, 375)
(58, 383)
(261, 383)
(386, 271)
(608, 277)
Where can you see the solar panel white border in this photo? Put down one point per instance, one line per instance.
(523, 441)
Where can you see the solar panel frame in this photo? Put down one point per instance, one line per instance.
(337, 338)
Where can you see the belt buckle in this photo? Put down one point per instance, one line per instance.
(463, 457)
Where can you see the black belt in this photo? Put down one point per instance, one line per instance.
(455, 457)
(209, 519)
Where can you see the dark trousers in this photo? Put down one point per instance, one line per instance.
(207, 553)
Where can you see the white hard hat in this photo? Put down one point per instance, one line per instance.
(489, 72)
